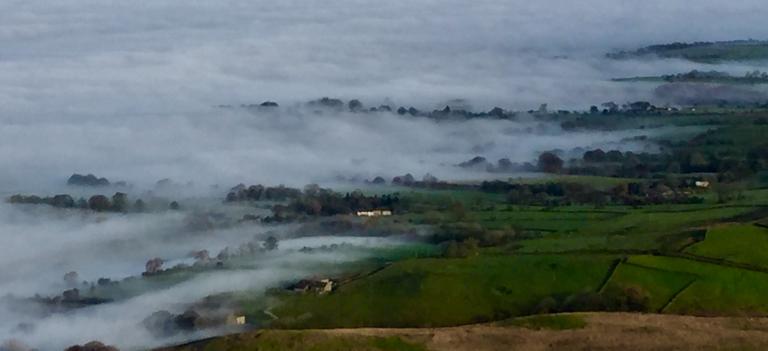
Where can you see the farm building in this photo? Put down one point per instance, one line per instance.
(322, 286)
(235, 319)
(374, 213)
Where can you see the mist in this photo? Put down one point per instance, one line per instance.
(45, 244)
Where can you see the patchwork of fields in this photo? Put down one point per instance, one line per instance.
(701, 259)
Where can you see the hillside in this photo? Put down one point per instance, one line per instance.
(588, 331)
(702, 52)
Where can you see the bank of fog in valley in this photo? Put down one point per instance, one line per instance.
(292, 145)
(328, 141)
(47, 243)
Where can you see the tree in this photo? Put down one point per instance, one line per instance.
(99, 203)
(451, 249)
(120, 202)
(71, 278)
(139, 205)
(63, 200)
(596, 156)
(467, 248)
(611, 107)
(270, 243)
(614, 156)
(355, 105)
(154, 265)
(458, 211)
(92, 346)
(698, 162)
(550, 163)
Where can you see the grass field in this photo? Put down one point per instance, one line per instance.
(444, 292)
(551, 322)
(661, 284)
(574, 250)
(302, 341)
(741, 243)
(716, 290)
(583, 331)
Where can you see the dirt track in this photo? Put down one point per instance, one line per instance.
(604, 331)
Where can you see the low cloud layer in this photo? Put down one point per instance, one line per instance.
(46, 243)
(121, 59)
(292, 147)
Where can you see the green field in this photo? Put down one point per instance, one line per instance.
(661, 284)
(444, 292)
(717, 290)
(742, 243)
(561, 251)
(660, 250)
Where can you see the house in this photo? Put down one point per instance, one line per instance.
(326, 286)
(322, 286)
(374, 213)
(235, 319)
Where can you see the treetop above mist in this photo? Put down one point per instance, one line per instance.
(455, 110)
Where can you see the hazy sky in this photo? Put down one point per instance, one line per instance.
(122, 57)
(126, 89)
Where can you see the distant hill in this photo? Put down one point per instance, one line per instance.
(695, 76)
(703, 52)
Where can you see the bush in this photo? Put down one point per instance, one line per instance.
(466, 248)
(619, 299)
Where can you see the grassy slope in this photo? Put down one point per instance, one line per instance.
(716, 52)
(439, 292)
(636, 230)
(743, 243)
(551, 322)
(300, 341)
(717, 290)
(442, 292)
(661, 284)
(583, 331)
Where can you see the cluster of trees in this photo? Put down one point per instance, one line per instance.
(92, 346)
(87, 180)
(100, 203)
(356, 106)
(655, 49)
(465, 232)
(163, 324)
(316, 201)
(693, 157)
(716, 76)
(461, 249)
(629, 298)
(427, 182)
(68, 300)
(503, 165)
(677, 49)
(567, 193)
(261, 193)
(203, 259)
